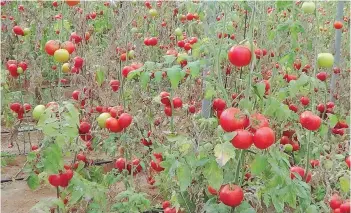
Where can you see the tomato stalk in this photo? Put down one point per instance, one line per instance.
(172, 108)
(58, 197)
(308, 154)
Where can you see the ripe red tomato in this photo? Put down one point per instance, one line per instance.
(335, 201)
(152, 41)
(314, 163)
(18, 30)
(125, 120)
(75, 94)
(212, 191)
(177, 103)
(322, 76)
(66, 177)
(114, 84)
(293, 108)
(320, 108)
(72, 3)
(338, 25)
(112, 125)
(243, 139)
(330, 105)
(304, 100)
(15, 107)
(54, 180)
(168, 111)
(231, 195)
(219, 104)
(192, 109)
(78, 62)
(232, 119)
(126, 70)
(23, 65)
(301, 172)
(257, 121)
(69, 46)
(264, 137)
(310, 121)
(345, 207)
(285, 140)
(239, 56)
(75, 38)
(348, 161)
(166, 204)
(84, 127)
(120, 164)
(81, 157)
(51, 46)
(156, 165)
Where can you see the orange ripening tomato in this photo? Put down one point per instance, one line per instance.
(72, 3)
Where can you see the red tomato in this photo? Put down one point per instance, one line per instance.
(345, 207)
(310, 121)
(338, 25)
(125, 120)
(191, 109)
(264, 137)
(314, 163)
(78, 62)
(239, 56)
(285, 140)
(166, 204)
(301, 172)
(212, 191)
(15, 107)
(55, 180)
(51, 46)
(219, 104)
(177, 103)
(257, 121)
(112, 125)
(335, 201)
(18, 30)
(156, 165)
(348, 161)
(231, 195)
(84, 127)
(322, 76)
(114, 84)
(120, 164)
(232, 119)
(243, 139)
(304, 100)
(69, 46)
(168, 111)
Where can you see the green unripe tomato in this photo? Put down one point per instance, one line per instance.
(325, 60)
(38, 111)
(153, 12)
(308, 7)
(19, 70)
(102, 119)
(288, 148)
(178, 32)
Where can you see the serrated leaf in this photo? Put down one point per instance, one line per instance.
(333, 120)
(100, 77)
(194, 68)
(259, 164)
(228, 136)
(33, 181)
(224, 152)
(144, 79)
(158, 76)
(323, 130)
(184, 176)
(344, 184)
(169, 58)
(174, 76)
(245, 207)
(260, 89)
(213, 174)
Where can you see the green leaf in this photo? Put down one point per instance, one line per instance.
(158, 76)
(52, 158)
(281, 5)
(245, 207)
(345, 184)
(209, 93)
(100, 76)
(33, 181)
(213, 174)
(260, 89)
(259, 164)
(312, 209)
(323, 130)
(184, 176)
(333, 120)
(245, 104)
(169, 58)
(144, 79)
(224, 152)
(194, 68)
(174, 76)
(228, 136)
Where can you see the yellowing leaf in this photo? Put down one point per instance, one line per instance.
(224, 152)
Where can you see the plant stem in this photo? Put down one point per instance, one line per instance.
(238, 166)
(172, 119)
(308, 155)
(58, 196)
